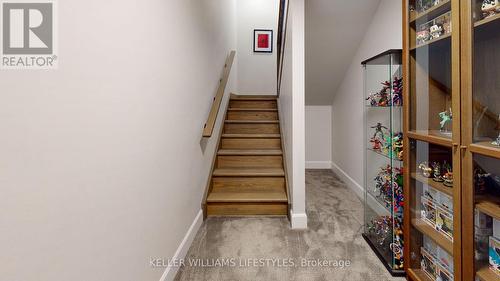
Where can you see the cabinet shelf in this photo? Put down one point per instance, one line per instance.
(432, 12)
(384, 155)
(489, 206)
(486, 274)
(486, 148)
(436, 185)
(435, 235)
(433, 41)
(431, 136)
(418, 275)
(486, 21)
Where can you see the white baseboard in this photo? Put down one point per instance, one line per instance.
(359, 190)
(318, 164)
(351, 183)
(299, 221)
(171, 271)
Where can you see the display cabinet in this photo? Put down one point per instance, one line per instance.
(481, 139)
(383, 210)
(432, 134)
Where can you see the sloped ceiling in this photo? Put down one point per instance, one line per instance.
(334, 29)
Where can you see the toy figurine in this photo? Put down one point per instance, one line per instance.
(437, 172)
(397, 88)
(448, 175)
(379, 130)
(423, 36)
(376, 144)
(397, 146)
(373, 99)
(490, 8)
(436, 31)
(445, 118)
(425, 169)
(480, 177)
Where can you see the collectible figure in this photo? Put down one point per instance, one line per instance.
(437, 172)
(436, 31)
(428, 264)
(480, 177)
(397, 146)
(376, 144)
(444, 223)
(490, 8)
(448, 178)
(425, 169)
(379, 130)
(445, 119)
(422, 36)
(397, 87)
(373, 99)
(428, 211)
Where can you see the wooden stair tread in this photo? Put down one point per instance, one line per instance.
(250, 197)
(252, 121)
(254, 98)
(251, 136)
(253, 109)
(249, 172)
(250, 152)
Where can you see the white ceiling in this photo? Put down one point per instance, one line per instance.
(334, 29)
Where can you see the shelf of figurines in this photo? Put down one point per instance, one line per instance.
(433, 31)
(428, 9)
(387, 97)
(487, 148)
(388, 189)
(436, 217)
(435, 262)
(436, 175)
(387, 238)
(490, 12)
(487, 246)
(384, 143)
(487, 192)
(432, 136)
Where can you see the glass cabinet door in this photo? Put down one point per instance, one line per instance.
(432, 127)
(481, 139)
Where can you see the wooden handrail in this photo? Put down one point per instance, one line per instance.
(282, 24)
(212, 117)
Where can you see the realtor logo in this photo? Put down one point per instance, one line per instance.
(28, 35)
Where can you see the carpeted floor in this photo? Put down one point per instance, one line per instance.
(228, 247)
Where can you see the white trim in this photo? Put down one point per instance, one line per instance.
(360, 191)
(318, 164)
(299, 221)
(171, 271)
(351, 183)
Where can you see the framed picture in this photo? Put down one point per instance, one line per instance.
(263, 41)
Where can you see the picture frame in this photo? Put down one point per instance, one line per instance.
(263, 41)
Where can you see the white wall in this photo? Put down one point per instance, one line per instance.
(318, 137)
(256, 71)
(102, 164)
(292, 105)
(347, 111)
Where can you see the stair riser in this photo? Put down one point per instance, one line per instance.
(249, 162)
(248, 184)
(252, 115)
(251, 129)
(247, 209)
(251, 144)
(252, 104)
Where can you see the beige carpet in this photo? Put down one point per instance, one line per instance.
(266, 249)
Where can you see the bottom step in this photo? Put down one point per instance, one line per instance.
(247, 209)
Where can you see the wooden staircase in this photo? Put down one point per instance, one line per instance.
(248, 178)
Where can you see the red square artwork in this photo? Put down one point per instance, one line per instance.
(263, 41)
